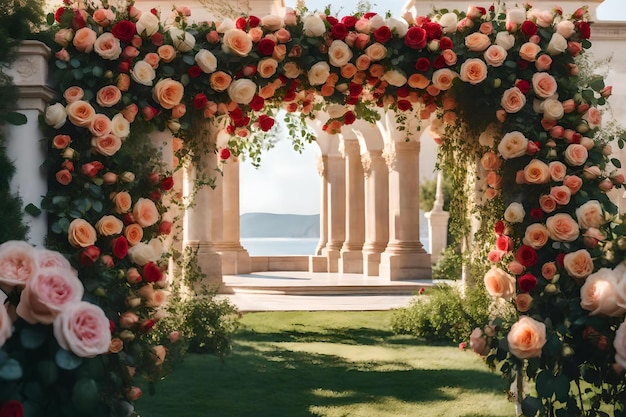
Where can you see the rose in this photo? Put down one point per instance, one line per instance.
(168, 93)
(6, 325)
(504, 243)
(578, 264)
(267, 67)
(184, 41)
(561, 194)
(573, 182)
(473, 71)
(148, 23)
(133, 233)
(562, 228)
(220, 81)
(599, 294)
(84, 39)
(529, 51)
(505, 40)
(526, 255)
(128, 320)
(575, 154)
(477, 42)
(544, 84)
(558, 171)
(513, 145)
(593, 117)
(167, 53)
(495, 55)
(565, 28)
(61, 141)
(81, 234)
(394, 78)
(499, 284)
(108, 96)
(143, 73)
(80, 113)
(18, 262)
(83, 329)
(548, 270)
(536, 236)
(151, 272)
(443, 78)
(122, 201)
(490, 161)
(523, 302)
(100, 125)
(543, 62)
(514, 213)
(415, 38)
(526, 338)
(339, 53)
(478, 342)
(106, 145)
(12, 408)
(590, 214)
(142, 253)
(376, 52)
(242, 90)
(109, 226)
(536, 172)
(318, 74)
(119, 247)
(557, 44)
(145, 212)
(206, 61)
(527, 282)
(313, 25)
(48, 292)
(513, 100)
(108, 46)
(552, 109)
(547, 203)
(55, 115)
(120, 127)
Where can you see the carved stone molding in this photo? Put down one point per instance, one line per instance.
(322, 163)
(366, 161)
(389, 154)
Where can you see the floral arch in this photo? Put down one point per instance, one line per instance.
(506, 91)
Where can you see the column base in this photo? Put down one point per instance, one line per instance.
(210, 264)
(332, 259)
(371, 264)
(405, 266)
(318, 264)
(351, 262)
(235, 262)
(437, 233)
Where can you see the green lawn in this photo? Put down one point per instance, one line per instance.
(292, 364)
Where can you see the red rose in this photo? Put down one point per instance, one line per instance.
(78, 21)
(584, 30)
(225, 154)
(433, 30)
(349, 118)
(482, 10)
(254, 21)
(445, 43)
(59, 13)
(369, 15)
(241, 23)
(200, 101)
(151, 272)
(382, 34)
(124, 66)
(265, 122)
(522, 64)
(149, 113)
(194, 71)
(155, 195)
(167, 183)
(422, 64)
(560, 259)
(332, 20)
(119, 247)
(404, 105)
(157, 39)
(89, 256)
(415, 38)
(439, 62)
(527, 282)
(499, 227)
(355, 90)
(349, 21)
(523, 85)
(526, 255)
(124, 30)
(91, 169)
(536, 214)
(266, 47)
(146, 325)
(12, 408)
(352, 100)
(289, 96)
(529, 28)
(339, 31)
(402, 92)
(504, 243)
(165, 228)
(257, 103)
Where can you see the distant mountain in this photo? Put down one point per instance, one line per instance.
(279, 225)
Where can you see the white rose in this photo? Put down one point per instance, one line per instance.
(399, 26)
(142, 253)
(291, 70)
(395, 78)
(183, 41)
(225, 25)
(148, 23)
(552, 109)
(565, 28)
(272, 22)
(513, 145)
(505, 40)
(543, 18)
(448, 22)
(206, 61)
(514, 213)
(83, 328)
(516, 16)
(319, 72)
(599, 294)
(376, 22)
(143, 73)
(335, 111)
(120, 127)
(557, 45)
(56, 115)
(313, 25)
(339, 53)
(376, 51)
(242, 90)
(108, 46)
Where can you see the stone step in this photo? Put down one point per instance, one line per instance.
(399, 288)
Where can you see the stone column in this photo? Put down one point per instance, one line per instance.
(438, 223)
(24, 144)
(351, 252)
(336, 210)
(322, 162)
(235, 259)
(376, 210)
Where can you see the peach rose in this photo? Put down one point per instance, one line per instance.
(339, 53)
(108, 46)
(267, 67)
(418, 81)
(133, 233)
(494, 180)
(536, 236)
(537, 172)
(63, 177)
(547, 203)
(449, 57)
(108, 96)
(558, 171)
(495, 55)
(543, 62)
(576, 154)
(145, 212)
(143, 73)
(18, 262)
(573, 182)
(348, 71)
(562, 228)
(168, 93)
(561, 194)
(443, 78)
(122, 201)
(47, 294)
(513, 145)
(590, 214)
(100, 125)
(473, 71)
(376, 52)
(236, 42)
(81, 234)
(523, 302)
(579, 264)
(106, 145)
(80, 113)
(83, 328)
(599, 294)
(167, 53)
(220, 81)
(499, 284)
(109, 226)
(153, 59)
(528, 51)
(544, 84)
(61, 141)
(477, 42)
(73, 93)
(283, 35)
(478, 342)
(513, 100)
(548, 270)
(593, 117)
(527, 338)
(84, 39)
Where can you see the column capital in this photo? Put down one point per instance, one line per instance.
(322, 162)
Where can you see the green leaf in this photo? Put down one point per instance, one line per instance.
(97, 206)
(32, 337)
(531, 406)
(15, 118)
(597, 84)
(67, 360)
(10, 370)
(74, 63)
(32, 209)
(78, 74)
(61, 64)
(85, 395)
(48, 372)
(97, 71)
(616, 162)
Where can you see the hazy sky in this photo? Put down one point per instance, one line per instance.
(287, 182)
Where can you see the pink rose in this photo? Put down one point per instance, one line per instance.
(48, 293)
(477, 42)
(18, 263)
(528, 51)
(495, 55)
(536, 236)
(83, 329)
(513, 100)
(495, 256)
(108, 46)
(537, 172)
(590, 214)
(51, 259)
(473, 71)
(100, 125)
(558, 170)
(579, 264)
(548, 270)
(526, 338)
(593, 236)
(523, 302)
(547, 203)
(108, 96)
(593, 117)
(6, 325)
(490, 161)
(145, 212)
(561, 194)
(84, 39)
(478, 342)
(544, 84)
(516, 268)
(443, 78)
(573, 182)
(106, 145)
(576, 154)
(562, 228)
(543, 62)
(499, 284)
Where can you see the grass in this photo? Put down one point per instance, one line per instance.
(331, 364)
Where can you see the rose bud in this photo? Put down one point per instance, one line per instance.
(89, 255)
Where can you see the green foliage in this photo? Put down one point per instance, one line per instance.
(428, 191)
(449, 265)
(442, 313)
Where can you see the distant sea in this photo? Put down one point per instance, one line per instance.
(272, 246)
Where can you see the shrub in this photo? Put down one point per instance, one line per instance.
(442, 313)
(449, 265)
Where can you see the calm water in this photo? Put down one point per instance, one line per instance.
(266, 246)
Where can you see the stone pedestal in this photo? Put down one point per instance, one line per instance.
(322, 162)
(376, 211)
(438, 223)
(351, 252)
